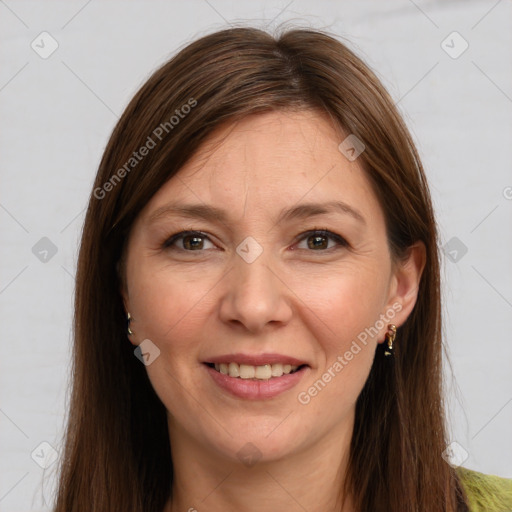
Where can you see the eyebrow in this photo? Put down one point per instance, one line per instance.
(209, 213)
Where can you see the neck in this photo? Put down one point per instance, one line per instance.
(310, 479)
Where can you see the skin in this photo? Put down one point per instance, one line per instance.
(294, 299)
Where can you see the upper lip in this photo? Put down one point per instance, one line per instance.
(255, 359)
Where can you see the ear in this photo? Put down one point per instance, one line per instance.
(123, 290)
(126, 303)
(405, 281)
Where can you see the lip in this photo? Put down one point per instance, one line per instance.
(256, 360)
(254, 389)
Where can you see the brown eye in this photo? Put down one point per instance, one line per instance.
(318, 240)
(192, 241)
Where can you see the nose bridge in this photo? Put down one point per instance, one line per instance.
(256, 295)
(252, 275)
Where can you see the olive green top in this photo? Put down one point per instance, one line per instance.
(486, 493)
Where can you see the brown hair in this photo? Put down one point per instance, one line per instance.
(117, 454)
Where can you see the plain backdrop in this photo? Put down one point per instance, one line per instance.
(448, 66)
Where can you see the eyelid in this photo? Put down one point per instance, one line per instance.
(169, 241)
(341, 241)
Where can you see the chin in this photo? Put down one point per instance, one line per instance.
(262, 439)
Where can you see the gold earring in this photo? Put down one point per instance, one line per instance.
(129, 318)
(390, 338)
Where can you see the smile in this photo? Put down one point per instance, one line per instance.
(255, 376)
(261, 372)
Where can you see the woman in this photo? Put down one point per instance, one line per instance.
(257, 315)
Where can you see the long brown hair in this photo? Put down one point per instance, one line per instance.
(117, 454)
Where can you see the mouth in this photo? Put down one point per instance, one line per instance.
(255, 377)
(261, 372)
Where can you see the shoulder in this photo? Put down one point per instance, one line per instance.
(486, 493)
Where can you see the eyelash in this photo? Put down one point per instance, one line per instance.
(167, 244)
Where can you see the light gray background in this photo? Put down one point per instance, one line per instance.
(57, 114)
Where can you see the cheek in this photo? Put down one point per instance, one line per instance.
(347, 301)
(345, 353)
(170, 309)
(345, 307)
(167, 301)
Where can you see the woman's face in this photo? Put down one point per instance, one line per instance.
(257, 292)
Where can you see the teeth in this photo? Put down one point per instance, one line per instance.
(263, 372)
(233, 370)
(277, 370)
(246, 371)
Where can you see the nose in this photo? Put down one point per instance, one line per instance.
(256, 294)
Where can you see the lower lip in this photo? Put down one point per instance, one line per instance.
(252, 389)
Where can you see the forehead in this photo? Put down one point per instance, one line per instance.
(277, 144)
(267, 161)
